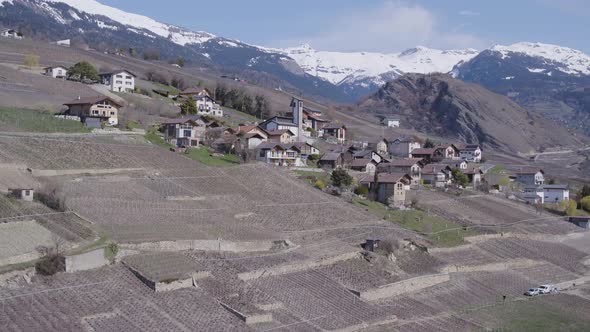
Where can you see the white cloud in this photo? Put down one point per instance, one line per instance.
(468, 12)
(390, 27)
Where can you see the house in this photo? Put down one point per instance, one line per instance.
(581, 221)
(426, 154)
(119, 80)
(183, 132)
(368, 154)
(10, 33)
(390, 122)
(546, 193)
(391, 187)
(194, 92)
(364, 165)
(411, 166)
(437, 175)
(280, 154)
(306, 149)
(470, 152)
(454, 163)
(474, 174)
(402, 146)
(448, 151)
(281, 136)
(255, 139)
(331, 160)
(533, 195)
(530, 176)
(25, 194)
(207, 106)
(279, 123)
(95, 111)
(56, 72)
(380, 146)
(334, 130)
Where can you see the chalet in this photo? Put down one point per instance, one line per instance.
(281, 136)
(56, 72)
(411, 166)
(437, 175)
(448, 151)
(249, 130)
(331, 160)
(474, 174)
(530, 176)
(119, 80)
(10, 33)
(183, 132)
(280, 154)
(336, 131)
(306, 149)
(364, 165)
(402, 146)
(470, 152)
(390, 122)
(95, 111)
(427, 154)
(312, 118)
(391, 187)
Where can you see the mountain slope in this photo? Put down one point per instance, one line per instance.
(547, 79)
(439, 105)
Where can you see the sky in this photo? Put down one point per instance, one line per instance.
(378, 25)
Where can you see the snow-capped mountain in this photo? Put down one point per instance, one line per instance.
(342, 67)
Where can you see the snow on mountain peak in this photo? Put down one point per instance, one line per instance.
(574, 61)
(177, 35)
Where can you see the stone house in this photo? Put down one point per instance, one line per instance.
(411, 166)
(391, 187)
(437, 175)
(331, 160)
(336, 131)
(183, 132)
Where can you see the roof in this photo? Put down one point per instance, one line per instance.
(402, 139)
(434, 169)
(192, 91)
(384, 178)
(452, 161)
(180, 120)
(554, 186)
(51, 67)
(279, 132)
(311, 110)
(525, 171)
(405, 162)
(251, 135)
(115, 71)
(333, 125)
(360, 162)
(472, 170)
(283, 146)
(362, 153)
(331, 156)
(91, 101)
(245, 128)
(282, 120)
(463, 147)
(423, 151)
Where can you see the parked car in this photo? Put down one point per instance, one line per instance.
(532, 292)
(547, 289)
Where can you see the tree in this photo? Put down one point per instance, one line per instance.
(429, 143)
(571, 208)
(180, 61)
(459, 177)
(585, 202)
(83, 70)
(188, 107)
(178, 82)
(261, 109)
(31, 60)
(156, 76)
(340, 178)
(585, 191)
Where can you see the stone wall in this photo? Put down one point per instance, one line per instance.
(205, 245)
(91, 171)
(404, 286)
(86, 261)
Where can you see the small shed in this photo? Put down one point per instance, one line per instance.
(26, 194)
(581, 221)
(371, 244)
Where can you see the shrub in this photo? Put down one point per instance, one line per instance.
(188, 106)
(340, 177)
(569, 207)
(320, 184)
(361, 190)
(459, 177)
(83, 70)
(50, 265)
(110, 252)
(31, 60)
(585, 202)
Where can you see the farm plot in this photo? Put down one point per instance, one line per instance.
(557, 254)
(359, 274)
(493, 214)
(22, 237)
(311, 296)
(110, 296)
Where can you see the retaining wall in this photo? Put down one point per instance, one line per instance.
(91, 171)
(205, 245)
(404, 286)
(248, 319)
(492, 267)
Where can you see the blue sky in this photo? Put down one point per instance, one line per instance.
(373, 25)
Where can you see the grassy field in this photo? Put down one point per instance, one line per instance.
(441, 231)
(311, 177)
(204, 156)
(12, 119)
(154, 137)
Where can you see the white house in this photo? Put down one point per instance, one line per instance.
(183, 132)
(547, 193)
(56, 72)
(390, 122)
(470, 152)
(10, 33)
(120, 80)
(530, 176)
(207, 106)
(280, 123)
(402, 146)
(95, 111)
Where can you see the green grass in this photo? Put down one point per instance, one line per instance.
(13, 119)
(153, 136)
(132, 125)
(498, 169)
(172, 90)
(311, 177)
(442, 232)
(204, 156)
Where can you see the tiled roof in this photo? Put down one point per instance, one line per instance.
(116, 71)
(360, 162)
(423, 151)
(330, 156)
(91, 101)
(528, 170)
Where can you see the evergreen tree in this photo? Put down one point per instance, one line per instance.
(188, 107)
(429, 143)
(340, 178)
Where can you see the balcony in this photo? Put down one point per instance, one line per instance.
(279, 155)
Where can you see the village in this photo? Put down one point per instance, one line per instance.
(208, 217)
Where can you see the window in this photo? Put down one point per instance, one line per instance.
(27, 192)
(119, 82)
(262, 153)
(112, 113)
(187, 133)
(128, 77)
(119, 76)
(128, 83)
